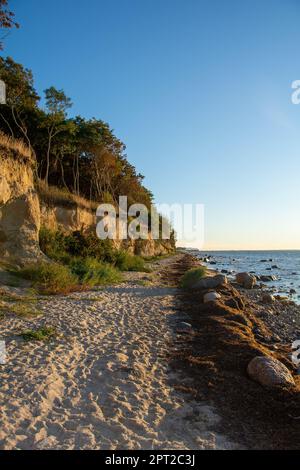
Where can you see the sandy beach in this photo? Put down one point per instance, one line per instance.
(104, 381)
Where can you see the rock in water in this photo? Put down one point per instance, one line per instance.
(267, 278)
(211, 297)
(248, 281)
(269, 372)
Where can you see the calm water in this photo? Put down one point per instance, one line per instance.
(287, 268)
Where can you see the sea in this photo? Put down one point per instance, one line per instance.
(285, 265)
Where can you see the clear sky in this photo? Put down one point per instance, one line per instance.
(200, 92)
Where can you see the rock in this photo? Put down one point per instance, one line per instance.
(210, 282)
(269, 372)
(211, 297)
(267, 278)
(248, 281)
(263, 260)
(224, 271)
(275, 266)
(292, 291)
(213, 262)
(268, 298)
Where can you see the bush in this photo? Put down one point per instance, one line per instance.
(64, 248)
(126, 262)
(192, 276)
(50, 278)
(61, 247)
(92, 272)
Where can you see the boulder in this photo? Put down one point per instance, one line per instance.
(248, 281)
(211, 297)
(269, 372)
(268, 278)
(268, 298)
(211, 282)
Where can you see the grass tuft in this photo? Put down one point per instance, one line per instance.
(42, 334)
(192, 276)
(126, 262)
(54, 196)
(92, 272)
(15, 145)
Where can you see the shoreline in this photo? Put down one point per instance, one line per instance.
(225, 336)
(126, 371)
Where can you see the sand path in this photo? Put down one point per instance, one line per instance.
(104, 382)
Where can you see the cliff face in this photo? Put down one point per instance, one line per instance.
(77, 218)
(22, 214)
(19, 210)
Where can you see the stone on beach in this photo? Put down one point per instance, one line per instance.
(211, 297)
(268, 298)
(211, 282)
(269, 372)
(248, 281)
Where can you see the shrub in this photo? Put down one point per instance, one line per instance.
(126, 262)
(92, 272)
(192, 276)
(64, 248)
(61, 247)
(50, 278)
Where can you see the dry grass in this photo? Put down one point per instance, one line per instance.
(16, 146)
(52, 195)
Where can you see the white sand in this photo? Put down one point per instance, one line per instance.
(104, 383)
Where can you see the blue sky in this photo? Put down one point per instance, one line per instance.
(200, 92)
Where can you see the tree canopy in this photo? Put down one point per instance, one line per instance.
(78, 154)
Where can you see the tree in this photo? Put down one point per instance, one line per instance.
(6, 19)
(78, 154)
(57, 104)
(22, 99)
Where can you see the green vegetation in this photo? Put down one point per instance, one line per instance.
(42, 334)
(78, 155)
(50, 278)
(81, 260)
(20, 309)
(64, 248)
(192, 276)
(20, 305)
(92, 272)
(126, 262)
(77, 161)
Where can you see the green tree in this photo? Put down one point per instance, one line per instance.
(57, 105)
